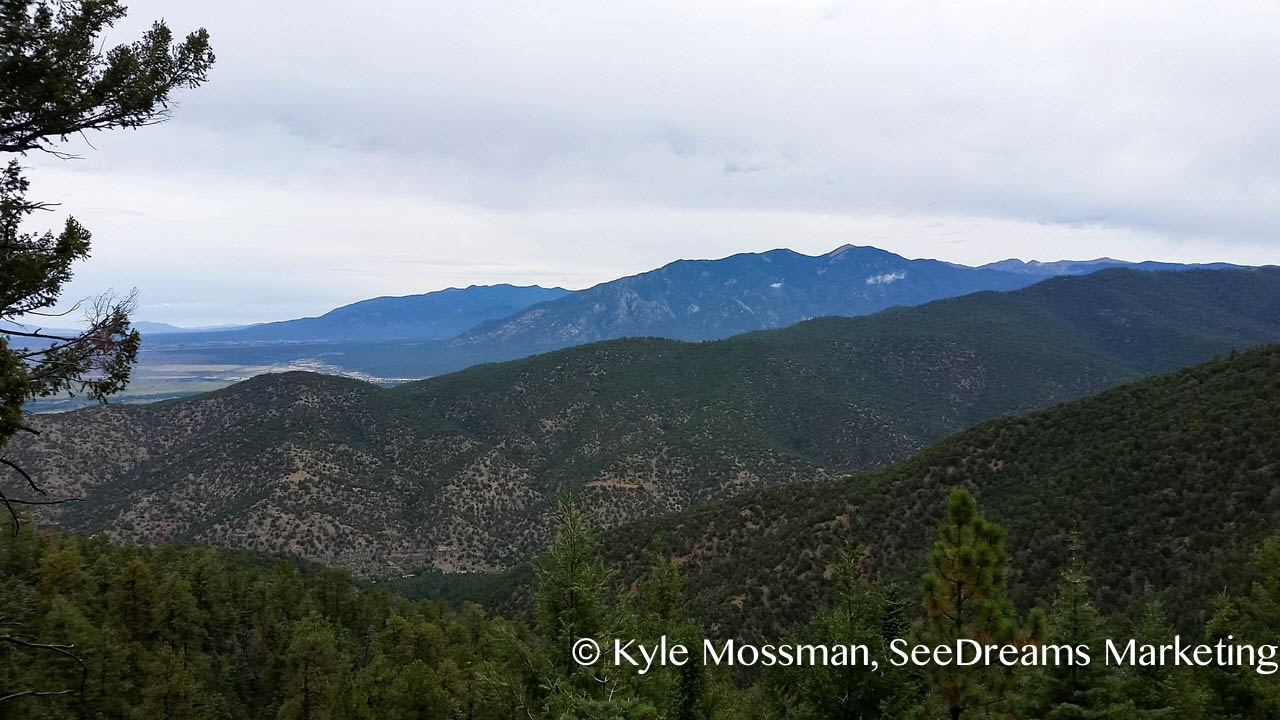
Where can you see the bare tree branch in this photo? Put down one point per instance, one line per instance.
(64, 313)
(36, 334)
(58, 501)
(36, 693)
(12, 513)
(30, 481)
(29, 642)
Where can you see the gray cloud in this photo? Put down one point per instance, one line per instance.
(476, 141)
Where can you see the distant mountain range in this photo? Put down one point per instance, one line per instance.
(440, 332)
(458, 471)
(710, 299)
(430, 316)
(1081, 267)
(147, 327)
(683, 300)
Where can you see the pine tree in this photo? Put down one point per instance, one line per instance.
(508, 680)
(334, 594)
(60, 81)
(172, 691)
(132, 597)
(569, 601)
(312, 664)
(209, 577)
(371, 692)
(863, 614)
(964, 599)
(1233, 691)
(1069, 689)
(287, 594)
(399, 640)
(661, 593)
(176, 617)
(114, 672)
(682, 690)
(1261, 607)
(1145, 686)
(569, 605)
(64, 623)
(63, 573)
(419, 694)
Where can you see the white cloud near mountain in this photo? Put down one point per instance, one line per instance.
(405, 146)
(886, 278)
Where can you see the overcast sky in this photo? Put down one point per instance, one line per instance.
(345, 150)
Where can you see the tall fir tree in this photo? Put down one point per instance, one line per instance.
(132, 597)
(1159, 692)
(1261, 607)
(173, 690)
(1233, 691)
(964, 598)
(569, 602)
(1069, 689)
(312, 665)
(679, 692)
(176, 617)
(570, 605)
(863, 615)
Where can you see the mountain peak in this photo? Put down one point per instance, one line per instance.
(708, 299)
(866, 250)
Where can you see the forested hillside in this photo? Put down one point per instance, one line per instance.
(459, 471)
(192, 633)
(1172, 480)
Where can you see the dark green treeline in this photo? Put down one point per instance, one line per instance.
(174, 633)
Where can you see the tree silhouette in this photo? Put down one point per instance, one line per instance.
(57, 81)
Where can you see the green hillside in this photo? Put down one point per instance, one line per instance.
(849, 393)
(457, 472)
(1171, 481)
